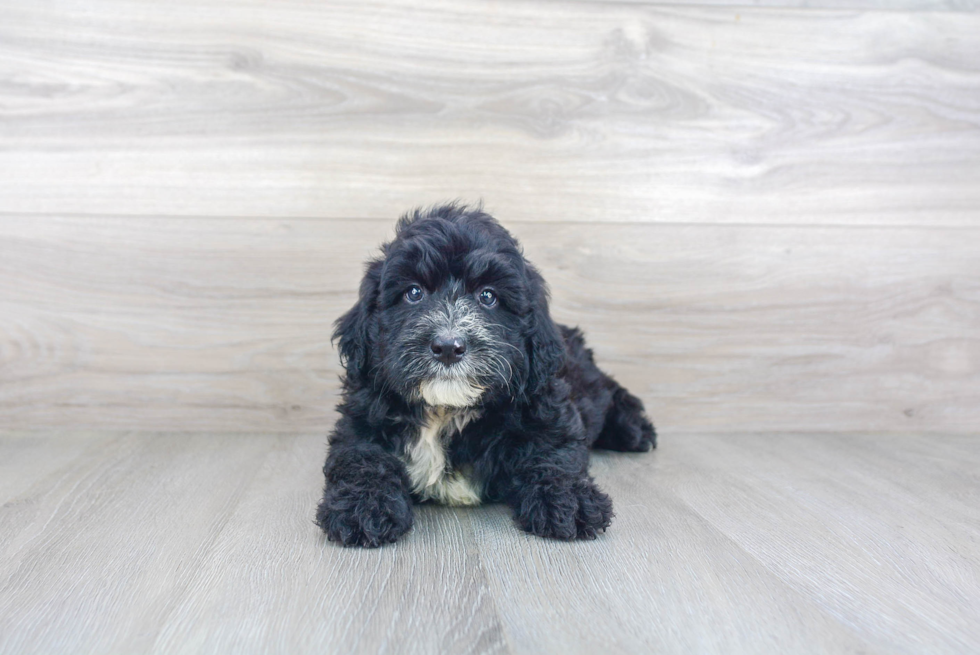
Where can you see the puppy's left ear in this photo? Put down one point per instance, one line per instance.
(545, 346)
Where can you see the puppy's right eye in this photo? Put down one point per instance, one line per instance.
(414, 294)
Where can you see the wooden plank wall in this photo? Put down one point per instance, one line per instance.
(765, 218)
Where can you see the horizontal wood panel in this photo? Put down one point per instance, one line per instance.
(585, 111)
(223, 324)
(887, 5)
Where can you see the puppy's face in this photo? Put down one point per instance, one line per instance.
(450, 312)
(451, 315)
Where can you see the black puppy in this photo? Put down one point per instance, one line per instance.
(461, 389)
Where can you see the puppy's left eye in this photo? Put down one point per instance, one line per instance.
(488, 298)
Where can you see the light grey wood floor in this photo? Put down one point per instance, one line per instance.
(139, 542)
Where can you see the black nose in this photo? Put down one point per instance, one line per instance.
(448, 350)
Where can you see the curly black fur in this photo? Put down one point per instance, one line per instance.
(518, 410)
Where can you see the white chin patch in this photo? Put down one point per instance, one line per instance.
(449, 393)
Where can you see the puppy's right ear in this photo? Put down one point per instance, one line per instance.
(356, 330)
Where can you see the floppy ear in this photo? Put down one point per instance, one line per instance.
(356, 330)
(545, 346)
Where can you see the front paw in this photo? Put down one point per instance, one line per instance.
(564, 510)
(368, 517)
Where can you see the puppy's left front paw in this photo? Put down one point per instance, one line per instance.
(566, 510)
(594, 512)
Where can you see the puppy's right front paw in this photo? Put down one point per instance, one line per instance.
(355, 516)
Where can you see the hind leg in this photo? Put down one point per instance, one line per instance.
(613, 418)
(626, 427)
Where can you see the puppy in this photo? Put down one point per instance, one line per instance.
(460, 389)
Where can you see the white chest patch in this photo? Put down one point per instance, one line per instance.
(425, 459)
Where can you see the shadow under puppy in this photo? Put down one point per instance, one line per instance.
(460, 389)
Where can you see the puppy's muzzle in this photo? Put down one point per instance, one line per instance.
(448, 349)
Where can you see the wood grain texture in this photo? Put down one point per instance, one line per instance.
(904, 560)
(144, 542)
(884, 5)
(178, 543)
(589, 111)
(822, 539)
(765, 218)
(223, 324)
